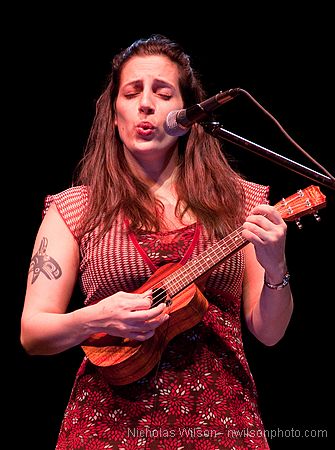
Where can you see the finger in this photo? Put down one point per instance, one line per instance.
(259, 229)
(269, 212)
(141, 336)
(140, 301)
(148, 314)
(147, 293)
(251, 236)
(260, 221)
(146, 327)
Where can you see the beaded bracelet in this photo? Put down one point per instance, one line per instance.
(281, 285)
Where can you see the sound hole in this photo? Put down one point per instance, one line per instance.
(159, 295)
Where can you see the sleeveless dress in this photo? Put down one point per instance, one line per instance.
(201, 395)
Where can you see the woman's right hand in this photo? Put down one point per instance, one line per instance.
(126, 315)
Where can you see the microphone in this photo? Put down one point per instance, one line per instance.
(179, 121)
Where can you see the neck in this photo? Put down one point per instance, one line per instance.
(155, 171)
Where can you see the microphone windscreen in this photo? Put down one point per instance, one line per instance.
(172, 127)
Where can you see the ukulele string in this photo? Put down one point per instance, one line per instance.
(160, 296)
(211, 251)
(284, 204)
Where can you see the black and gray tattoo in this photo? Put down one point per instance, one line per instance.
(43, 263)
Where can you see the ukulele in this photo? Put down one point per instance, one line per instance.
(123, 360)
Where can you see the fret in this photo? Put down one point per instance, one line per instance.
(197, 267)
(304, 202)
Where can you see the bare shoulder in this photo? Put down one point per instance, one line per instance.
(55, 243)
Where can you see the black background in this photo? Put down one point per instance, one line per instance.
(57, 65)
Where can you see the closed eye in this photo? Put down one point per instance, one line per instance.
(165, 96)
(131, 94)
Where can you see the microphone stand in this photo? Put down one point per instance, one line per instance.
(216, 130)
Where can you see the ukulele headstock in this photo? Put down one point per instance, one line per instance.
(303, 202)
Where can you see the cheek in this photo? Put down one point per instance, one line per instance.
(117, 112)
(119, 122)
(122, 128)
(121, 117)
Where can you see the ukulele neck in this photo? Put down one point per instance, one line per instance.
(207, 260)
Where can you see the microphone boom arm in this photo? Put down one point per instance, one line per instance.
(216, 130)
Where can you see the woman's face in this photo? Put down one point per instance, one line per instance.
(149, 90)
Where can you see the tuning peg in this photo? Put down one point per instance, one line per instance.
(317, 217)
(298, 223)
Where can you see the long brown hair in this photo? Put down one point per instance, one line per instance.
(205, 183)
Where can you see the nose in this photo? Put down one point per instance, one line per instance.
(146, 104)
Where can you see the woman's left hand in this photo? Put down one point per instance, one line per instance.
(266, 229)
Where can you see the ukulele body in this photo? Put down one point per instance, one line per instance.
(123, 361)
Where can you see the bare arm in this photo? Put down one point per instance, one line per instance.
(46, 327)
(267, 311)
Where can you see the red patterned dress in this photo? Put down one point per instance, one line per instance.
(202, 396)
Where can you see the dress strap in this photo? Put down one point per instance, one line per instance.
(146, 258)
(194, 242)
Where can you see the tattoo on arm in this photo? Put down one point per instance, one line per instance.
(43, 263)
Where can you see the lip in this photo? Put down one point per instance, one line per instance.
(145, 128)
